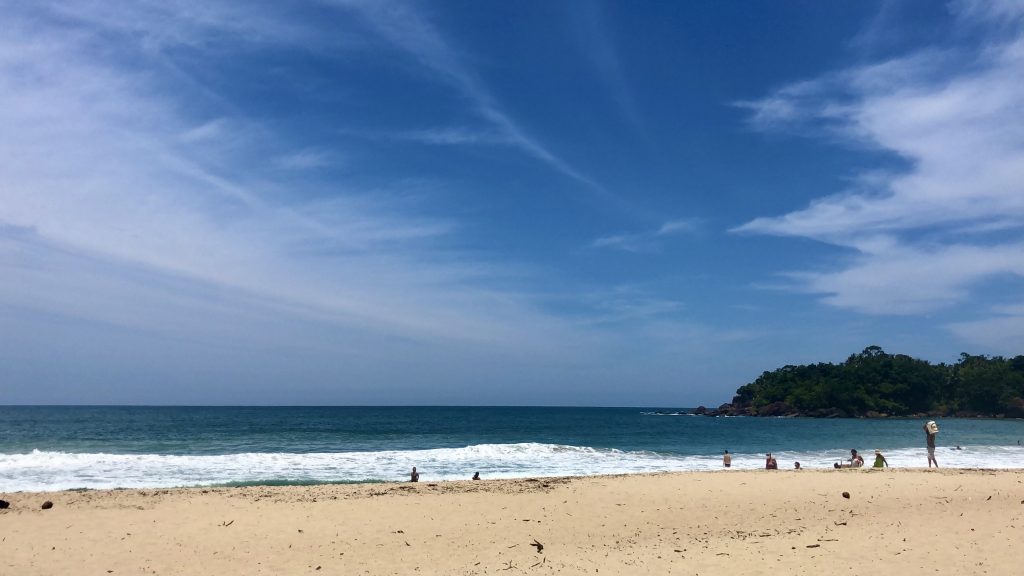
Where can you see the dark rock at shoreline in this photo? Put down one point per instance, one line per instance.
(777, 409)
(1015, 409)
(47, 505)
(4, 504)
(827, 413)
(727, 410)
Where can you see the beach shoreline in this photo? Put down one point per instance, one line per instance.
(963, 521)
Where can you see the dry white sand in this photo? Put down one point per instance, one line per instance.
(731, 522)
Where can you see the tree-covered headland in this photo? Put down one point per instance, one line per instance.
(875, 384)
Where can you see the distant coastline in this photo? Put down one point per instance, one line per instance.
(874, 384)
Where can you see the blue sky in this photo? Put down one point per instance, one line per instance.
(550, 203)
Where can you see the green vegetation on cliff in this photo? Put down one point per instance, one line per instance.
(874, 383)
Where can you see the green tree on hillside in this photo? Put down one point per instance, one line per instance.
(873, 381)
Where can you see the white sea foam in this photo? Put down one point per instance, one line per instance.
(40, 471)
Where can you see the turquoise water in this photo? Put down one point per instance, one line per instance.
(45, 448)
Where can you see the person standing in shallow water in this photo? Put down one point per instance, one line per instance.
(727, 459)
(930, 432)
(415, 476)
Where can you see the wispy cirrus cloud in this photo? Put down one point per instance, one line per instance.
(149, 232)
(678, 226)
(1001, 330)
(443, 136)
(650, 241)
(455, 136)
(589, 24)
(108, 168)
(214, 130)
(306, 159)
(155, 24)
(924, 237)
(900, 279)
(401, 24)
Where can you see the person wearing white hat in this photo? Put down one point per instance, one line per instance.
(880, 460)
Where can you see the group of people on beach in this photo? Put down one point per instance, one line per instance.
(857, 461)
(931, 430)
(415, 476)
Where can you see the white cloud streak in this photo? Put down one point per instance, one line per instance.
(122, 206)
(904, 280)
(589, 24)
(104, 166)
(1001, 331)
(155, 24)
(308, 159)
(404, 27)
(446, 136)
(650, 241)
(952, 220)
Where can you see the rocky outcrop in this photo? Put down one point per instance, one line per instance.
(727, 409)
(777, 409)
(1015, 408)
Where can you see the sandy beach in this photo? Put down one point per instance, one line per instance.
(730, 522)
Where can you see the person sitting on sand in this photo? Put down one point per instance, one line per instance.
(770, 463)
(880, 460)
(476, 476)
(727, 459)
(415, 476)
(856, 460)
(796, 465)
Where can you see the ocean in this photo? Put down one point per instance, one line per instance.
(64, 447)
